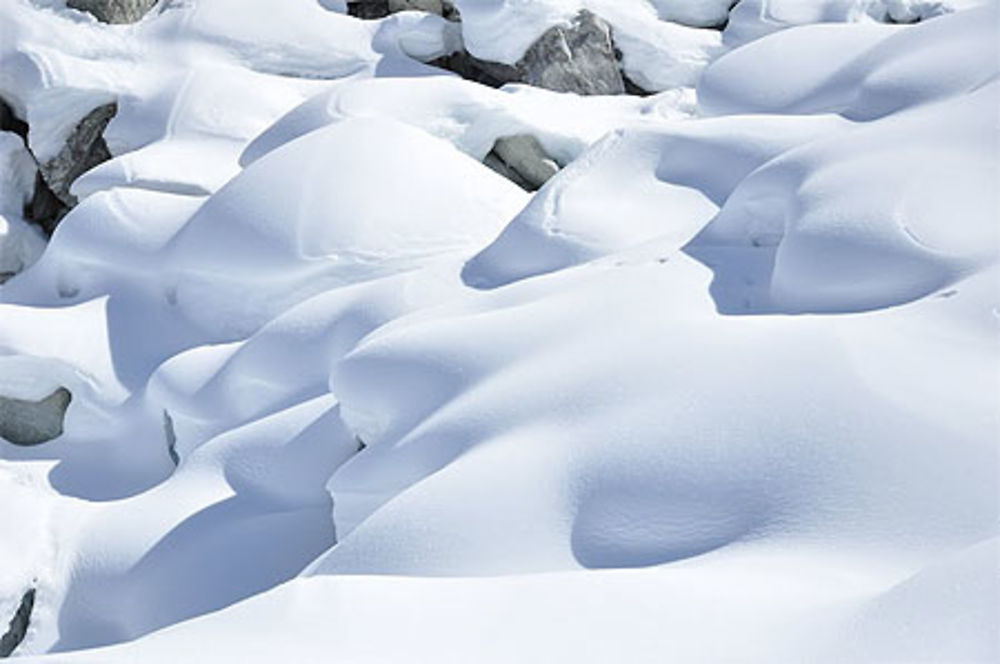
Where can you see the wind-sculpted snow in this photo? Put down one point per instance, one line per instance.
(345, 203)
(863, 74)
(917, 218)
(303, 374)
(666, 181)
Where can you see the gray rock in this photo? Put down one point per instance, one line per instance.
(450, 11)
(45, 209)
(523, 160)
(171, 435)
(84, 149)
(18, 626)
(429, 6)
(580, 58)
(495, 163)
(29, 423)
(114, 11)
(10, 122)
(469, 67)
(372, 9)
(368, 9)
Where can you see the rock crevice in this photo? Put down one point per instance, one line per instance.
(18, 626)
(84, 148)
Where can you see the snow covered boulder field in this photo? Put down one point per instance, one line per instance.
(520, 331)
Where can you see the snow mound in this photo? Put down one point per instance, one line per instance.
(665, 183)
(299, 377)
(904, 220)
(863, 72)
(352, 201)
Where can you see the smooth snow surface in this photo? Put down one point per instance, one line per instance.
(724, 389)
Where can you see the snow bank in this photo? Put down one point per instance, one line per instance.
(665, 183)
(352, 201)
(339, 386)
(861, 72)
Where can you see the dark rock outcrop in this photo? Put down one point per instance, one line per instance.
(18, 626)
(114, 11)
(45, 208)
(171, 435)
(632, 88)
(368, 9)
(469, 67)
(522, 160)
(28, 423)
(84, 149)
(373, 9)
(10, 122)
(579, 58)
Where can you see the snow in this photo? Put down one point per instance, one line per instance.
(666, 182)
(656, 54)
(753, 19)
(20, 245)
(723, 389)
(861, 73)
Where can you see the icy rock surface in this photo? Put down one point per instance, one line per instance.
(114, 11)
(372, 362)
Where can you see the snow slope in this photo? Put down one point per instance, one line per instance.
(724, 389)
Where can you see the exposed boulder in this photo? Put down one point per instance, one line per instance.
(28, 423)
(114, 11)
(579, 58)
(368, 9)
(373, 9)
(10, 122)
(84, 149)
(469, 67)
(522, 160)
(18, 625)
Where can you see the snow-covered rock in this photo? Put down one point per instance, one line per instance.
(521, 159)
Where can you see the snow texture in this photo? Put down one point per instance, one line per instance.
(300, 378)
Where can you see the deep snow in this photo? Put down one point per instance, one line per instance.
(724, 389)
